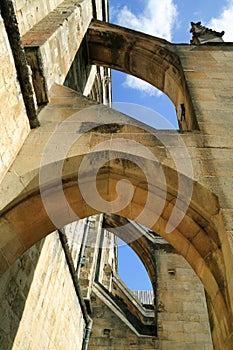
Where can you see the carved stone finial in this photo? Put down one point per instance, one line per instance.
(202, 35)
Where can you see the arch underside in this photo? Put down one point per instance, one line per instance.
(25, 220)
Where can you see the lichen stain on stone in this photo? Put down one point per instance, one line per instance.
(108, 128)
(113, 39)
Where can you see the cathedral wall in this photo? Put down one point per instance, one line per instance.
(112, 331)
(209, 74)
(180, 310)
(39, 308)
(14, 125)
(181, 305)
(56, 48)
(56, 40)
(210, 148)
(208, 71)
(31, 12)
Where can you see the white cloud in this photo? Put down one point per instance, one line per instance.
(158, 19)
(141, 85)
(224, 22)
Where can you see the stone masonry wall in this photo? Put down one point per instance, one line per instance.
(39, 307)
(14, 126)
(112, 331)
(31, 12)
(182, 312)
(57, 39)
(209, 73)
(14, 289)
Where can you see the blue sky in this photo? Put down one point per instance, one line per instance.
(168, 19)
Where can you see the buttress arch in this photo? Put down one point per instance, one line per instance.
(200, 237)
(146, 57)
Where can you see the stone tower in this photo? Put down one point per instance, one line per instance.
(65, 156)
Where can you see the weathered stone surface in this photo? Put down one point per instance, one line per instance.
(203, 211)
(14, 126)
(183, 316)
(151, 59)
(46, 314)
(31, 12)
(198, 80)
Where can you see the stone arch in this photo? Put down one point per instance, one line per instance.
(146, 57)
(200, 237)
(19, 231)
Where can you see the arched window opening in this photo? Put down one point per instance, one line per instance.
(131, 270)
(131, 95)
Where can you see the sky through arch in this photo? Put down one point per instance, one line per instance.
(131, 269)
